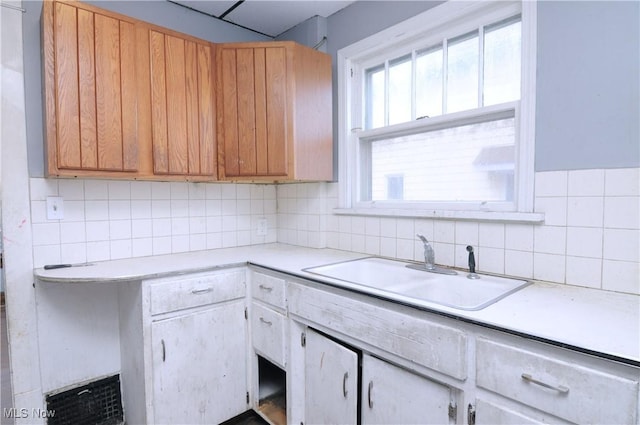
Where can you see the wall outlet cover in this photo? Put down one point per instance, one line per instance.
(55, 208)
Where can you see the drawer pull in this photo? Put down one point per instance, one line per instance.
(559, 388)
(265, 288)
(344, 384)
(164, 352)
(266, 322)
(201, 291)
(369, 395)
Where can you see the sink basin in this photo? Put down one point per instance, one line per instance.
(393, 277)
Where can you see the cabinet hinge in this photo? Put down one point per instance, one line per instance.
(453, 411)
(246, 314)
(471, 414)
(303, 339)
(247, 397)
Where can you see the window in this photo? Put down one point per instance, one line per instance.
(437, 112)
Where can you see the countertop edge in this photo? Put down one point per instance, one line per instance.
(270, 256)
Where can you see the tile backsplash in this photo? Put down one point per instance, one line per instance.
(106, 220)
(590, 237)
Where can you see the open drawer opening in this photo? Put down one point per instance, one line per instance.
(272, 392)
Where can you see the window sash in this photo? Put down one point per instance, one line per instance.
(361, 140)
(446, 20)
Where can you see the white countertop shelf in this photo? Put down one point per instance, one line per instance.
(593, 321)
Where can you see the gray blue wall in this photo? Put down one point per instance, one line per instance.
(587, 113)
(588, 90)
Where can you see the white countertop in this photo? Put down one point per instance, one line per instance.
(592, 320)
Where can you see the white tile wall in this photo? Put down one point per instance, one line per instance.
(590, 237)
(106, 220)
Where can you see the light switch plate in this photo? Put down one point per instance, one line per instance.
(55, 208)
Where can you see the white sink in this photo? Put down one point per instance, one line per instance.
(394, 277)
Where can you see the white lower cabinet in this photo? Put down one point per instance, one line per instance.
(394, 395)
(546, 383)
(388, 394)
(184, 348)
(199, 375)
(331, 381)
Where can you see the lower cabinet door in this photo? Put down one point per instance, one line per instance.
(199, 366)
(392, 395)
(331, 380)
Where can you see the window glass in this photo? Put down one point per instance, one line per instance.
(429, 83)
(375, 97)
(472, 162)
(502, 63)
(462, 73)
(400, 90)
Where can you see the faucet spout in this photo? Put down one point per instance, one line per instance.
(429, 254)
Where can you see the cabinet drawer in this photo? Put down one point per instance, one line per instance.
(268, 333)
(433, 345)
(563, 388)
(268, 289)
(196, 290)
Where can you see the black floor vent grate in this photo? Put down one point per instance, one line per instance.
(97, 403)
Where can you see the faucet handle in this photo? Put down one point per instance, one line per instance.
(472, 264)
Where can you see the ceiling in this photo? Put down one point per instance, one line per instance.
(268, 17)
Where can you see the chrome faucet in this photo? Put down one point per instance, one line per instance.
(429, 254)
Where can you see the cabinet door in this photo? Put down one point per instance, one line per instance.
(253, 102)
(331, 381)
(182, 105)
(394, 395)
(487, 413)
(90, 83)
(199, 366)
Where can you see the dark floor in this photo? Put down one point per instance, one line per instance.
(6, 399)
(247, 418)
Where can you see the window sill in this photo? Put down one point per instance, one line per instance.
(494, 216)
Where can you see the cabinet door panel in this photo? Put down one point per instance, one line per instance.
(262, 164)
(158, 102)
(192, 105)
(87, 94)
(108, 99)
(206, 103)
(331, 381)
(246, 112)
(276, 89)
(176, 105)
(94, 86)
(128, 89)
(229, 106)
(66, 83)
(199, 366)
(394, 395)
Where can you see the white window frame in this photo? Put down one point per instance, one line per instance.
(447, 20)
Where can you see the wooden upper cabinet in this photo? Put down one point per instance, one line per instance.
(126, 99)
(182, 102)
(274, 112)
(90, 90)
